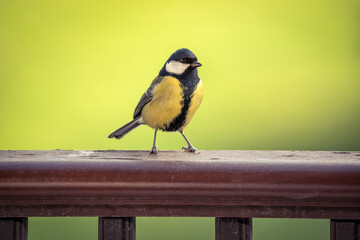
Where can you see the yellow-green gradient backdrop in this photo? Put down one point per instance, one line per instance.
(277, 75)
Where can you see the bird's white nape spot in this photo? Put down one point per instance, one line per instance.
(176, 67)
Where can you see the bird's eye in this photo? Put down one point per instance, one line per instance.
(183, 60)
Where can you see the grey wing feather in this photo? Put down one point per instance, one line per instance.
(147, 96)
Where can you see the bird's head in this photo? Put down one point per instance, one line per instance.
(181, 61)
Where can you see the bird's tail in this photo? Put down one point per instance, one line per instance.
(127, 128)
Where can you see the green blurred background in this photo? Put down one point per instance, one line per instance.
(277, 75)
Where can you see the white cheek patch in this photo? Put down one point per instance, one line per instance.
(176, 67)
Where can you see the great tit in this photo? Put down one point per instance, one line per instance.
(171, 100)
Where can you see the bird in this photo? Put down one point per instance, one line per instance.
(171, 101)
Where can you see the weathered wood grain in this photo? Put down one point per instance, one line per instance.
(286, 184)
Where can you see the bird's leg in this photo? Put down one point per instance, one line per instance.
(190, 147)
(154, 149)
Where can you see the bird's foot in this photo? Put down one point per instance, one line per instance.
(154, 150)
(190, 149)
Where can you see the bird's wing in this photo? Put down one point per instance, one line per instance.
(147, 96)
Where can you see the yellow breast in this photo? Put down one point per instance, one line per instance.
(195, 103)
(165, 105)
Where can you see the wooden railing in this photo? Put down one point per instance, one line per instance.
(233, 186)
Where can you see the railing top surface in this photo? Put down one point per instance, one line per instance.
(310, 184)
(228, 155)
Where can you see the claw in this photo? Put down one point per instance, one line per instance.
(190, 149)
(154, 150)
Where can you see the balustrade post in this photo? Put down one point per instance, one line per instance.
(117, 228)
(233, 229)
(344, 229)
(14, 228)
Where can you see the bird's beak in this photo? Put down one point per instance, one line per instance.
(195, 64)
